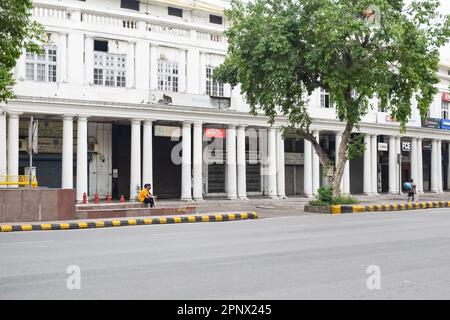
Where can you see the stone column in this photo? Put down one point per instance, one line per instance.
(67, 153)
(198, 161)
(347, 178)
(186, 172)
(3, 142)
(280, 165)
(147, 153)
(231, 162)
(398, 151)
(135, 163)
(367, 179)
(419, 167)
(82, 162)
(413, 161)
(392, 166)
(434, 166)
(315, 165)
(153, 67)
(13, 146)
(88, 60)
(272, 163)
(374, 161)
(439, 165)
(241, 165)
(337, 144)
(62, 58)
(307, 169)
(130, 65)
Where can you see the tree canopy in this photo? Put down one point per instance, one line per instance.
(280, 51)
(17, 32)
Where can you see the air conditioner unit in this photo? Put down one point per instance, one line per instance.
(23, 144)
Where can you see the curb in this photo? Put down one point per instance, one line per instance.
(390, 207)
(129, 222)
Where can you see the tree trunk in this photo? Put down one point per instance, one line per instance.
(342, 160)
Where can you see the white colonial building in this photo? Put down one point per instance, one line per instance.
(124, 96)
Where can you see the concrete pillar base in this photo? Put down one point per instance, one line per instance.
(242, 198)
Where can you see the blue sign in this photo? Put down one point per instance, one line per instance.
(445, 124)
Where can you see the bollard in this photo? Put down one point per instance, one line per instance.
(84, 198)
(96, 198)
(122, 198)
(108, 199)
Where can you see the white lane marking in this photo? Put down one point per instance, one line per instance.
(25, 242)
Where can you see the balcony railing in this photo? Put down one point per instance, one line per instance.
(176, 31)
(117, 21)
(104, 20)
(50, 13)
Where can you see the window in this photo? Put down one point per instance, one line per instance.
(444, 110)
(324, 98)
(42, 67)
(215, 19)
(101, 45)
(213, 88)
(130, 4)
(167, 75)
(110, 69)
(175, 12)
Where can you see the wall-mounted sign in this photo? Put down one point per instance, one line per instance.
(426, 146)
(383, 146)
(167, 131)
(445, 97)
(406, 146)
(445, 124)
(215, 133)
(293, 158)
(431, 123)
(384, 117)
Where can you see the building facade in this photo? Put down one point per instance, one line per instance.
(124, 96)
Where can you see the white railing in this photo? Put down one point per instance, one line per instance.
(176, 31)
(50, 13)
(214, 37)
(109, 21)
(121, 22)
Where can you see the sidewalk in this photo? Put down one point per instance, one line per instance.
(266, 208)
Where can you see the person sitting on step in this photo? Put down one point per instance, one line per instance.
(145, 196)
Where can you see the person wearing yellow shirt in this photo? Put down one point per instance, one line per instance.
(145, 196)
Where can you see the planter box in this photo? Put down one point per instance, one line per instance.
(317, 209)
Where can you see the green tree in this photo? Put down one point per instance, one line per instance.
(280, 51)
(17, 32)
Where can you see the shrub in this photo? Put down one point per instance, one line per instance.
(325, 194)
(324, 197)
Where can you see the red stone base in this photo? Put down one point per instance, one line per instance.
(36, 204)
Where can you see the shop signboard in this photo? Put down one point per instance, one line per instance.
(383, 146)
(215, 133)
(431, 123)
(445, 124)
(167, 131)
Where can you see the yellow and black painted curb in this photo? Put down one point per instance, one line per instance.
(129, 222)
(390, 207)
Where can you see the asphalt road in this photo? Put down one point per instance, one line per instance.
(306, 257)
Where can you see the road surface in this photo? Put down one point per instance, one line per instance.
(304, 257)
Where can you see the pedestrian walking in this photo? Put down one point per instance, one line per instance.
(410, 187)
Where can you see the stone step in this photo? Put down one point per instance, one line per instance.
(133, 212)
